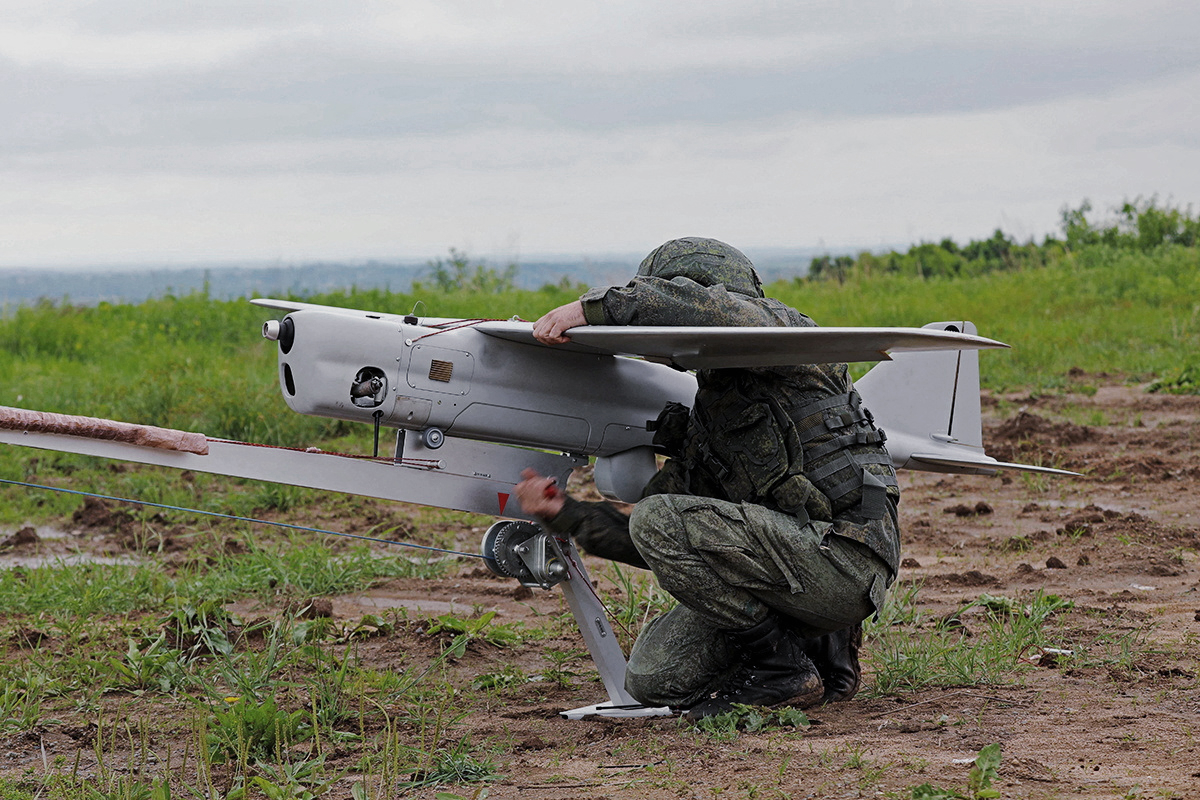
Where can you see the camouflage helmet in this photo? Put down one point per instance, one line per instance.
(706, 261)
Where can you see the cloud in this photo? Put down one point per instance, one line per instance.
(305, 128)
(872, 181)
(280, 71)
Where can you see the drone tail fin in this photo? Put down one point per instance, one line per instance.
(928, 403)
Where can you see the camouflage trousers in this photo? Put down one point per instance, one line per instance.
(731, 565)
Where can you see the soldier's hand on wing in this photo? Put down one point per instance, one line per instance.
(549, 329)
(539, 495)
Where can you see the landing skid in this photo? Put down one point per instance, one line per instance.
(616, 712)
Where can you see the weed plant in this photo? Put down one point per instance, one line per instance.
(639, 600)
(984, 772)
(20, 708)
(751, 719)
(909, 654)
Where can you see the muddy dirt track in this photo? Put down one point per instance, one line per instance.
(1120, 543)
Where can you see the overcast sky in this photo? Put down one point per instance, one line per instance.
(156, 131)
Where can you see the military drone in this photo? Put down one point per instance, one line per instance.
(469, 404)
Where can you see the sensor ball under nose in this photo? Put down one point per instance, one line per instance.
(369, 388)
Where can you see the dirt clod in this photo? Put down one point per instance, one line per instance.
(23, 537)
(314, 608)
(28, 638)
(96, 513)
(963, 510)
(1029, 426)
(969, 578)
(532, 742)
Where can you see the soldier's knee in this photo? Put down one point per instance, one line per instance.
(652, 522)
(651, 690)
(677, 659)
(662, 689)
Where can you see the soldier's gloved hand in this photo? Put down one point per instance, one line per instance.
(539, 495)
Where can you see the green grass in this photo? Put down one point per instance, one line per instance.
(84, 589)
(909, 653)
(300, 569)
(1102, 310)
(273, 702)
(254, 711)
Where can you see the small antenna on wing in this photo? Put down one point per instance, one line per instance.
(962, 326)
(411, 317)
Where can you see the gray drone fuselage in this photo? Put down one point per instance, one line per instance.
(472, 385)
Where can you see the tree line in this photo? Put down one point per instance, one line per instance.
(1137, 225)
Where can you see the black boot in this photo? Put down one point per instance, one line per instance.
(774, 672)
(835, 655)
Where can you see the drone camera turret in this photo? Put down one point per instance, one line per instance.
(369, 388)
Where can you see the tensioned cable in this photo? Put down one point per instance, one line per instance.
(287, 525)
(455, 325)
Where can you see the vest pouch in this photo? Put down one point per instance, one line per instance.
(746, 454)
(796, 495)
(670, 429)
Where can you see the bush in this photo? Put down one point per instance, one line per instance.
(1136, 226)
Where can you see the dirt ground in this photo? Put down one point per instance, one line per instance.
(1121, 543)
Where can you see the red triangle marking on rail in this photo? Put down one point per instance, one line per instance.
(503, 498)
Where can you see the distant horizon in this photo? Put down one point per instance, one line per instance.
(140, 264)
(228, 280)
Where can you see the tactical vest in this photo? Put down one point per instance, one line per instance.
(820, 459)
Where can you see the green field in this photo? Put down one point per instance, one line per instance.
(1132, 314)
(199, 364)
(147, 652)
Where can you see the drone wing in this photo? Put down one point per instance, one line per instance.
(716, 348)
(288, 306)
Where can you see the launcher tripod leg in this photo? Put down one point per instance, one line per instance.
(601, 642)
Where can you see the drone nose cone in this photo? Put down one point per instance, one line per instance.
(282, 331)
